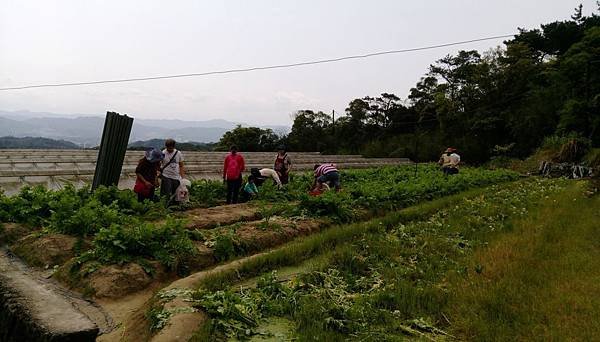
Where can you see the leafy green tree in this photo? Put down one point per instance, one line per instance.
(544, 82)
(311, 131)
(249, 139)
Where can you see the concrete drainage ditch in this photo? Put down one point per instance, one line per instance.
(33, 308)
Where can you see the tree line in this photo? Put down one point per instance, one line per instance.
(543, 82)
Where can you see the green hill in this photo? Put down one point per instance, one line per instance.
(36, 142)
(160, 143)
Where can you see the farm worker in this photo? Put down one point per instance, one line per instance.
(147, 174)
(172, 170)
(250, 190)
(283, 164)
(273, 174)
(449, 161)
(233, 167)
(326, 173)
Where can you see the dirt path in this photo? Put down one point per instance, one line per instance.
(128, 314)
(185, 320)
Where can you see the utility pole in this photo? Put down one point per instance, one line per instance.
(416, 147)
(333, 115)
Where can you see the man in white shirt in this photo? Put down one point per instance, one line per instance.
(266, 172)
(172, 169)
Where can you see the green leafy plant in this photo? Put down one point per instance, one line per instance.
(167, 243)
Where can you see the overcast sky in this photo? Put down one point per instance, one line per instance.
(47, 41)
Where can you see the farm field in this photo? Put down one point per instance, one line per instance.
(517, 261)
(497, 241)
(55, 168)
(110, 248)
(393, 256)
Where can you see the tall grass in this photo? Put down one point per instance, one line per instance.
(539, 283)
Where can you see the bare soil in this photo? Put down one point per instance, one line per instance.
(206, 218)
(128, 314)
(46, 250)
(258, 236)
(115, 281)
(11, 232)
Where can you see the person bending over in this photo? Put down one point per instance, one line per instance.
(326, 173)
(147, 175)
(250, 190)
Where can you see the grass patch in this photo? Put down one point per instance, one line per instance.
(541, 281)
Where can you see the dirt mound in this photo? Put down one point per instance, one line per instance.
(203, 259)
(115, 281)
(182, 328)
(206, 218)
(46, 250)
(11, 232)
(257, 236)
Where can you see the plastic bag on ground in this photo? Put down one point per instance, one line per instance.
(182, 194)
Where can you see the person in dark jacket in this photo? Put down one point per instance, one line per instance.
(147, 174)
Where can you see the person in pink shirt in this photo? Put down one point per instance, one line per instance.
(233, 167)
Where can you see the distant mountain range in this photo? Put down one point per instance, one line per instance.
(86, 130)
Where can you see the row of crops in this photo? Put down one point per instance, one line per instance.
(119, 229)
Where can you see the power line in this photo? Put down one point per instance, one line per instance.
(269, 67)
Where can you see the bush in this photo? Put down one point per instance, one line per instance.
(593, 159)
(573, 150)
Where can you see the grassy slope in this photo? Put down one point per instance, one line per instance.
(540, 281)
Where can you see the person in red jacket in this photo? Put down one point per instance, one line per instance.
(232, 174)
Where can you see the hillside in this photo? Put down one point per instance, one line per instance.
(36, 142)
(160, 143)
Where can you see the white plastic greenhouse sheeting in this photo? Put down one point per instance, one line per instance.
(54, 168)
